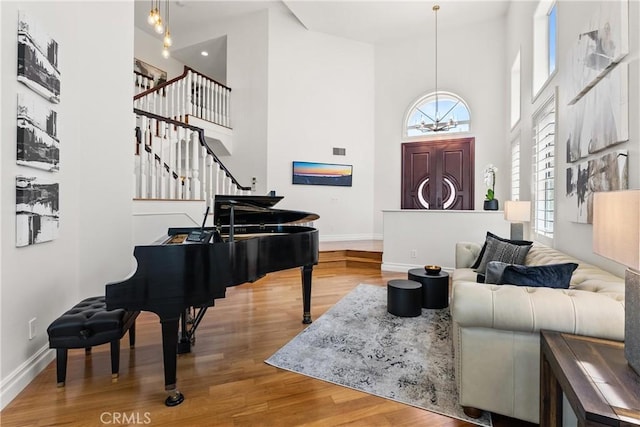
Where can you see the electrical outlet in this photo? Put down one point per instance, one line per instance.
(413, 253)
(32, 328)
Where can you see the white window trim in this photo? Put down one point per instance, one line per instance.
(540, 48)
(516, 91)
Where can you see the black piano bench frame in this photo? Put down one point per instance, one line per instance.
(88, 324)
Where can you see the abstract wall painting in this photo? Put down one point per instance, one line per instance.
(608, 172)
(38, 59)
(602, 44)
(37, 207)
(600, 119)
(38, 145)
(322, 174)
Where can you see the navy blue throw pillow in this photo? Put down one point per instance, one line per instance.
(549, 276)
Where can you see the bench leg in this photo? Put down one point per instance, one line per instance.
(61, 365)
(132, 335)
(115, 358)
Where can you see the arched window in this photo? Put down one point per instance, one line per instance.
(426, 117)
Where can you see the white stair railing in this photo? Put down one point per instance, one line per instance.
(190, 94)
(173, 162)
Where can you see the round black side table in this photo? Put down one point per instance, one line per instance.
(404, 298)
(435, 288)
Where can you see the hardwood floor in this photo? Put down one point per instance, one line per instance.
(225, 380)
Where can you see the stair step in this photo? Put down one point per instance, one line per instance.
(350, 258)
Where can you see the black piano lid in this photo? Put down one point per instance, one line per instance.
(255, 210)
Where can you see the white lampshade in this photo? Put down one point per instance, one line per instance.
(517, 211)
(616, 226)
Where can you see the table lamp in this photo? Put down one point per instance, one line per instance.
(517, 212)
(616, 235)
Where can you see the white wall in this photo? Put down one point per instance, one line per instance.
(321, 96)
(95, 128)
(414, 238)
(471, 64)
(570, 236)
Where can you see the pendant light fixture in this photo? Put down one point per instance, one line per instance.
(437, 124)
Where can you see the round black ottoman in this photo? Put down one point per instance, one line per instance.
(404, 298)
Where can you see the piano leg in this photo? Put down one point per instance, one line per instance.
(170, 357)
(306, 294)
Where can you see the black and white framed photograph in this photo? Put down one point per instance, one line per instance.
(38, 145)
(37, 208)
(38, 59)
(154, 74)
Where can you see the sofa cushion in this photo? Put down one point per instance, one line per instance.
(478, 260)
(501, 250)
(549, 276)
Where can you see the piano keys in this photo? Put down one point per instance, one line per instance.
(182, 274)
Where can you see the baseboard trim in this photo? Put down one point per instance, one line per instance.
(402, 268)
(17, 380)
(346, 237)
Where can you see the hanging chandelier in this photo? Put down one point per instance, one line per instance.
(437, 123)
(161, 26)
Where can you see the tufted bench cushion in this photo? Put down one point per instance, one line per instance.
(88, 324)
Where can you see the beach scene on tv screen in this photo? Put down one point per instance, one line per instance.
(322, 174)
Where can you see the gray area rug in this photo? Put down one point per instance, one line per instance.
(358, 344)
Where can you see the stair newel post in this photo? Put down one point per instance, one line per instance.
(163, 175)
(153, 164)
(138, 138)
(202, 167)
(227, 104)
(171, 187)
(194, 187)
(210, 186)
(189, 93)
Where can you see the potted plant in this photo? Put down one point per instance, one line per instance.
(490, 201)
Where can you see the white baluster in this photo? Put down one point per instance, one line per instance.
(179, 166)
(195, 165)
(216, 107)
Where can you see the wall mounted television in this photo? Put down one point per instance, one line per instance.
(310, 173)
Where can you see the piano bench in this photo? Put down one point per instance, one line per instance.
(88, 324)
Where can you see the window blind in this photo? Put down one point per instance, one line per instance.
(544, 136)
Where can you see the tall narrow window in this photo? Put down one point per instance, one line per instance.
(544, 135)
(515, 169)
(544, 43)
(515, 90)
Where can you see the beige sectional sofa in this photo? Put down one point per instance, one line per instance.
(496, 328)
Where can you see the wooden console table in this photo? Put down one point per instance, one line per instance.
(601, 387)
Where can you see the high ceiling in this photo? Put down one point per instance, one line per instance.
(373, 21)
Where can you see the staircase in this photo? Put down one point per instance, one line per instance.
(173, 160)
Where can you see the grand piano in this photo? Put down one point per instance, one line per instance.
(182, 274)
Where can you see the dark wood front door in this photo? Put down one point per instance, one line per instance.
(438, 174)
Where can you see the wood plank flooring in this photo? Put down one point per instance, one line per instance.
(224, 379)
